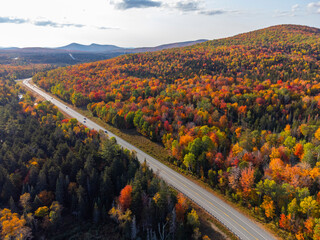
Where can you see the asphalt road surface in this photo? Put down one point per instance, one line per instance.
(238, 223)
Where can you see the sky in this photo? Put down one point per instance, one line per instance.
(143, 23)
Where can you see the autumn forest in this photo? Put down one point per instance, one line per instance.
(61, 180)
(241, 114)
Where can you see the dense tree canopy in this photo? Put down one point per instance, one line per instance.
(56, 174)
(242, 113)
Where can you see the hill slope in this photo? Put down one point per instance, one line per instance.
(241, 113)
(280, 34)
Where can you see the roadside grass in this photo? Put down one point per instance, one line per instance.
(132, 136)
(160, 153)
(211, 227)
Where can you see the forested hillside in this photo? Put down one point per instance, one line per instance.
(240, 113)
(16, 71)
(60, 180)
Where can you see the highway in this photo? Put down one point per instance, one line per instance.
(239, 224)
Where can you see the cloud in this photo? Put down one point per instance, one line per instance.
(295, 8)
(314, 7)
(128, 4)
(40, 23)
(198, 7)
(291, 13)
(212, 12)
(47, 23)
(13, 20)
(190, 6)
(107, 28)
(183, 6)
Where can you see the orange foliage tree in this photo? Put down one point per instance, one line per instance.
(268, 206)
(13, 226)
(181, 207)
(125, 198)
(247, 181)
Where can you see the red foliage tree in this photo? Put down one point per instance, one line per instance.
(181, 207)
(125, 198)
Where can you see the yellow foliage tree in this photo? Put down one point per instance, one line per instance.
(13, 226)
(268, 206)
(274, 153)
(236, 149)
(317, 134)
(277, 167)
(42, 212)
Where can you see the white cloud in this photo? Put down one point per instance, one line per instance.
(129, 4)
(212, 12)
(42, 22)
(188, 6)
(198, 7)
(291, 13)
(314, 7)
(295, 8)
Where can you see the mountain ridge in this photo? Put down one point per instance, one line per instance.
(99, 48)
(93, 47)
(286, 33)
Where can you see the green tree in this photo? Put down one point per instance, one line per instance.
(309, 206)
(293, 207)
(129, 119)
(196, 147)
(189, 161)
(78, 99)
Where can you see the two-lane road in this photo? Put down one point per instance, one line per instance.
(238, 223)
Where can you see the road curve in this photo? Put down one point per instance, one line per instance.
(235, 221)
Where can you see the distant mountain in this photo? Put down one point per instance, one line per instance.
(166, 46)
(75, 53)
(90, 48)
(101, 49)
(8, 48)
(32, 50)
(97, 48)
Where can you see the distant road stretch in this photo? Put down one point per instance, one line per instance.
(239, 224)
